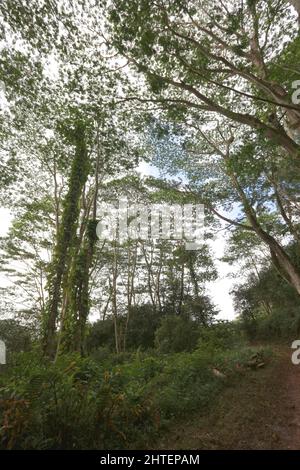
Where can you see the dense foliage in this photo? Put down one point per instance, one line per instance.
(172, 107)
(120, 402)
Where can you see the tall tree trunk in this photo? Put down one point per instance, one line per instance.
(74, 322)
(181, 292)
(114, 304)
(132, 261)
(279, 256)
(66, 236)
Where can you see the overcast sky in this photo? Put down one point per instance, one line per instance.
(218, 290)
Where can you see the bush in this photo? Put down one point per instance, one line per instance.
(78, 403)
(70, 404)
(176, 334)
(17, 337)
(220, 336)
(143, 322)
(278, 326)
(101, 335)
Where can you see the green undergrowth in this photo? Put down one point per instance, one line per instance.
(124, 402)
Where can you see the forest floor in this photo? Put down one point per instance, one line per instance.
(261, 411)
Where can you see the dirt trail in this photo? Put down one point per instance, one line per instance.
(291, 400)
(261, 411)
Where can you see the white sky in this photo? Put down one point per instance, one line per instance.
(219, 289)
(5, 220)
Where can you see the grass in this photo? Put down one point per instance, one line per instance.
(252, 413)
(78, 403)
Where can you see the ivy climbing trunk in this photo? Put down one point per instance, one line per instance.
(66, 234)
(73, 324)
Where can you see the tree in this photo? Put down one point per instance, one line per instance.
(267, 305)
(238, 172)
(17, 337)
(195, 60)
(176, 334)
(72, 120)
(199, 56)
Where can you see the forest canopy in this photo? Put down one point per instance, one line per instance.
(207, 95)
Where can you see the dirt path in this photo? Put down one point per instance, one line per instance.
(292, 401)
(261, 411)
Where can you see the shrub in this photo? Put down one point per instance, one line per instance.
(78, 403)
(220, 336)
(176, 334)
(101, 334)
(277, 326)
(70, 404)
(17, 337)
(143, 322)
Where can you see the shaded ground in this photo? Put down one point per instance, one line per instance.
(261, 411)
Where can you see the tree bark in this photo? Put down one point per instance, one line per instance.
(66, 237)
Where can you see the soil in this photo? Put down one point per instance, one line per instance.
(261, 410)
